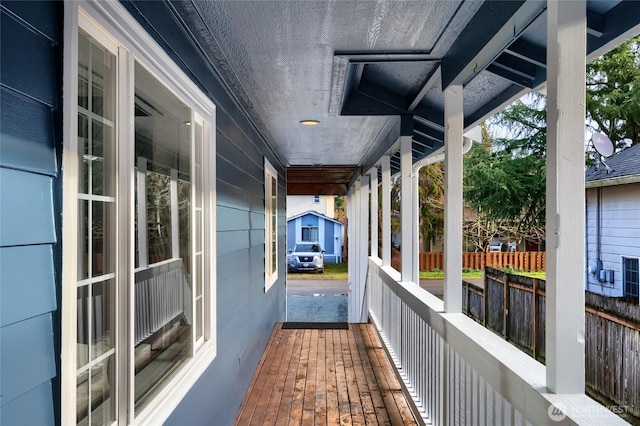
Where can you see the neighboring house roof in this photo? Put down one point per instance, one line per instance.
(625, 168)
(313, 212)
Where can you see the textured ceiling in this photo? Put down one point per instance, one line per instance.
(358, 66)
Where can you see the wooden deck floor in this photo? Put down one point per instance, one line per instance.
(325, 377)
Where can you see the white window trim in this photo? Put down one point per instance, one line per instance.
(108, 20)
(269, 279)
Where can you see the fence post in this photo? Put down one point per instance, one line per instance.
(505, 306)
(466, 287)
(485, 292)
(534, 307)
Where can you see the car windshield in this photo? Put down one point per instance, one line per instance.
(307, 247)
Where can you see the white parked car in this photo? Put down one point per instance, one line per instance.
(306, 256)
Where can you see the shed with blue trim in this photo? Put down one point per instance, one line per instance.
(313, 226)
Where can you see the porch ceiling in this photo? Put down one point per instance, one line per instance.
(359, 66)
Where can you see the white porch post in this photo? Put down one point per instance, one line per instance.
(374, 212)
(352, 223)
(363, 249)
(406, 209)
(386, 210)
(454, 124)
(565, 217)
(415, 228)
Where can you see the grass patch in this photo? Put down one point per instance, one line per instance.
(332, 271)
(438, 274)
(540, 274)
(338, 271)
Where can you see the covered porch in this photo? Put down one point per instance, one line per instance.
(453, 370)
(386, 88)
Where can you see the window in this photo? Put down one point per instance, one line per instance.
(271, 224)
(138, 255)
(631, 277)
(316, 199)
(310, 233)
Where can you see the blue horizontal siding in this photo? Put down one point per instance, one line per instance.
(28, 59)
(30, 129)
(26, 147)
(26, 208)
(309, 220)
(230, 219)
(28, 287)
(39, 16)
(27, 356)
(32, 408)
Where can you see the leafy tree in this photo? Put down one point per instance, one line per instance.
(431, 199)
(613, 93)
(505, 178)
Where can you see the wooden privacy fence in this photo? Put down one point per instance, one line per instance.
(523, 260)
(514, 307)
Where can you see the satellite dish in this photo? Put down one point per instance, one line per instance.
(602, 144)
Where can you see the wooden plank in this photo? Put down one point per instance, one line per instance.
(300, 380)
(276, 381)
(288, 377)
(355, 401)
(370, 376)
(251, 403)
(312, 383)
(385, 377)
(344, 409)
(333, 415)
(320, 407)
(359, 362)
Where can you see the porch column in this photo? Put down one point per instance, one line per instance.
(386, 210)
(363, 249)
(415, 225)
(565, 217)
(374, 212)
(352, 221)
(454, 124)
(406, 210)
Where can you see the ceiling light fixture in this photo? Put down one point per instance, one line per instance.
(309, 122)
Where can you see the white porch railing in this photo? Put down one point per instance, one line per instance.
(458, 372)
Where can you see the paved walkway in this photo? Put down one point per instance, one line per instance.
(317, 300)
(327, 300)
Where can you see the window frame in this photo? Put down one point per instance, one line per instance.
(111, 26)
(270, 269)
(624, 274)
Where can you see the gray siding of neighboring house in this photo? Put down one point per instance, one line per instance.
(29, 211)
(619, 232)
(245, 315)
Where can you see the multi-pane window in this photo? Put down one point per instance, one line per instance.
(96, 277)
(142, 261)
(271, 224)
(631, 277)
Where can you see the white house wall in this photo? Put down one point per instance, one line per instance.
(297, 204)
(619, 235)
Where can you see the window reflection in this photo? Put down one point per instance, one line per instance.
(163, 300)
